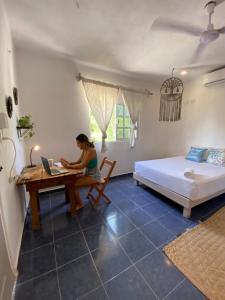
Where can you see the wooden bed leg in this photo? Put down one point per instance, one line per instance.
(136, 182)
(187, 212)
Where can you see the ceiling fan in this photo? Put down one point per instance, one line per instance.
(207, 36)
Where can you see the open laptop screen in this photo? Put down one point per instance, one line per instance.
(46, 165)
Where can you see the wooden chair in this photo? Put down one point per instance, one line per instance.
(100, 186)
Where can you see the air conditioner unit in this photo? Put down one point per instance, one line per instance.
(215, 77)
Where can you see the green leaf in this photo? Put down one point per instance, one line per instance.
(127, 121)
(119, 133)
(119, 109)
(120, 122)
(126, 133)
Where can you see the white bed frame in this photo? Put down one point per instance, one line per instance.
(184, 201)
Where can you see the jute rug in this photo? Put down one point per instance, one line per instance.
(200, 255)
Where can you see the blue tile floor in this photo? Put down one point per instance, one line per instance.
(110, 252)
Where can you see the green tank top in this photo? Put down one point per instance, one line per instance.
(92, 169)
(92, 163)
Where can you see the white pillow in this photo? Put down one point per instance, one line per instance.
(216, 157)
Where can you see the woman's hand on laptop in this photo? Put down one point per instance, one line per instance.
(64, 162)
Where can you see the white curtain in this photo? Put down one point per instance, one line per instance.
(134, 102)
(101, 100)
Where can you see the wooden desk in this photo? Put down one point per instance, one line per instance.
(36, 179)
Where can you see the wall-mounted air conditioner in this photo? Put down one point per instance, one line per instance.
(215, 77)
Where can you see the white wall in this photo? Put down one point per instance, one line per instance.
(11, 200)
(59, 109)
(7, 278)
(203, 119)
(51, 94)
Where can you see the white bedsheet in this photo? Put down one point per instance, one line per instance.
(206, 180)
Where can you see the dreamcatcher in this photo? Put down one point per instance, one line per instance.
(171, 99)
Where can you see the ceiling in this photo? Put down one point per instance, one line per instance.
(115, 34)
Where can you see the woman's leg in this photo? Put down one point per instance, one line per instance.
(78, 200)
(81, 181)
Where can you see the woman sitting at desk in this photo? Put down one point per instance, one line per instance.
(88, 161)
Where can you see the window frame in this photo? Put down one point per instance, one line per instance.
(124, 116)
(115, 116)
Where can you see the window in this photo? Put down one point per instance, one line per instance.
(119, 126)
(122, 122)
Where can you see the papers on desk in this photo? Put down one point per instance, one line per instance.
(58, 164)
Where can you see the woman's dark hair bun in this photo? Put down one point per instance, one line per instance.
(91, 144)
(82, 138)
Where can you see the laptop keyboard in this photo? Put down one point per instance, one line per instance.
(54, 171)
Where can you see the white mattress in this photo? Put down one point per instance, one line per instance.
(169, 172)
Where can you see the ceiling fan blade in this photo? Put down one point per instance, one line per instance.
(218, 2)
(197, 67)
(221, 30)
(199, 50)
(192, 67)
(171, 25)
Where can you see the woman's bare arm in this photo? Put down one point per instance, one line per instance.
(65, 162)
(87, 157)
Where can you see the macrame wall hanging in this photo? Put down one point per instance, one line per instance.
(171, 99)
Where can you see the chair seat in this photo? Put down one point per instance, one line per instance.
(101, 181)
(101, 184)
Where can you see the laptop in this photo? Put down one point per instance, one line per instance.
(49, 170)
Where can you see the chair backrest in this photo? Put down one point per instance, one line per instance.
(110, 164)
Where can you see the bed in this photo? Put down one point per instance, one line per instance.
(167, 177)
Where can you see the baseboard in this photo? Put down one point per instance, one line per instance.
(14, 290)
(44, 191)
(56, 189)
(61, 188)
(19, 247)
(121, 175)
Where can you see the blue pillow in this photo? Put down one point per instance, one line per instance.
(196, 154)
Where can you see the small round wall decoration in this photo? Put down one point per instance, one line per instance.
(15, 95)
(9, 106)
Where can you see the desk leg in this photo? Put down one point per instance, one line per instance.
(67, 195)
(71, 195)
(34, 203)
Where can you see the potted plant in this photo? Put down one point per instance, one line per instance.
(25, 122)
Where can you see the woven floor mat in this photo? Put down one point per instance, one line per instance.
(200, 255)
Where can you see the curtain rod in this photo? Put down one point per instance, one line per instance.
(145, 92)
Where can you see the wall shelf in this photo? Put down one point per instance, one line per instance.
(23, 131)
